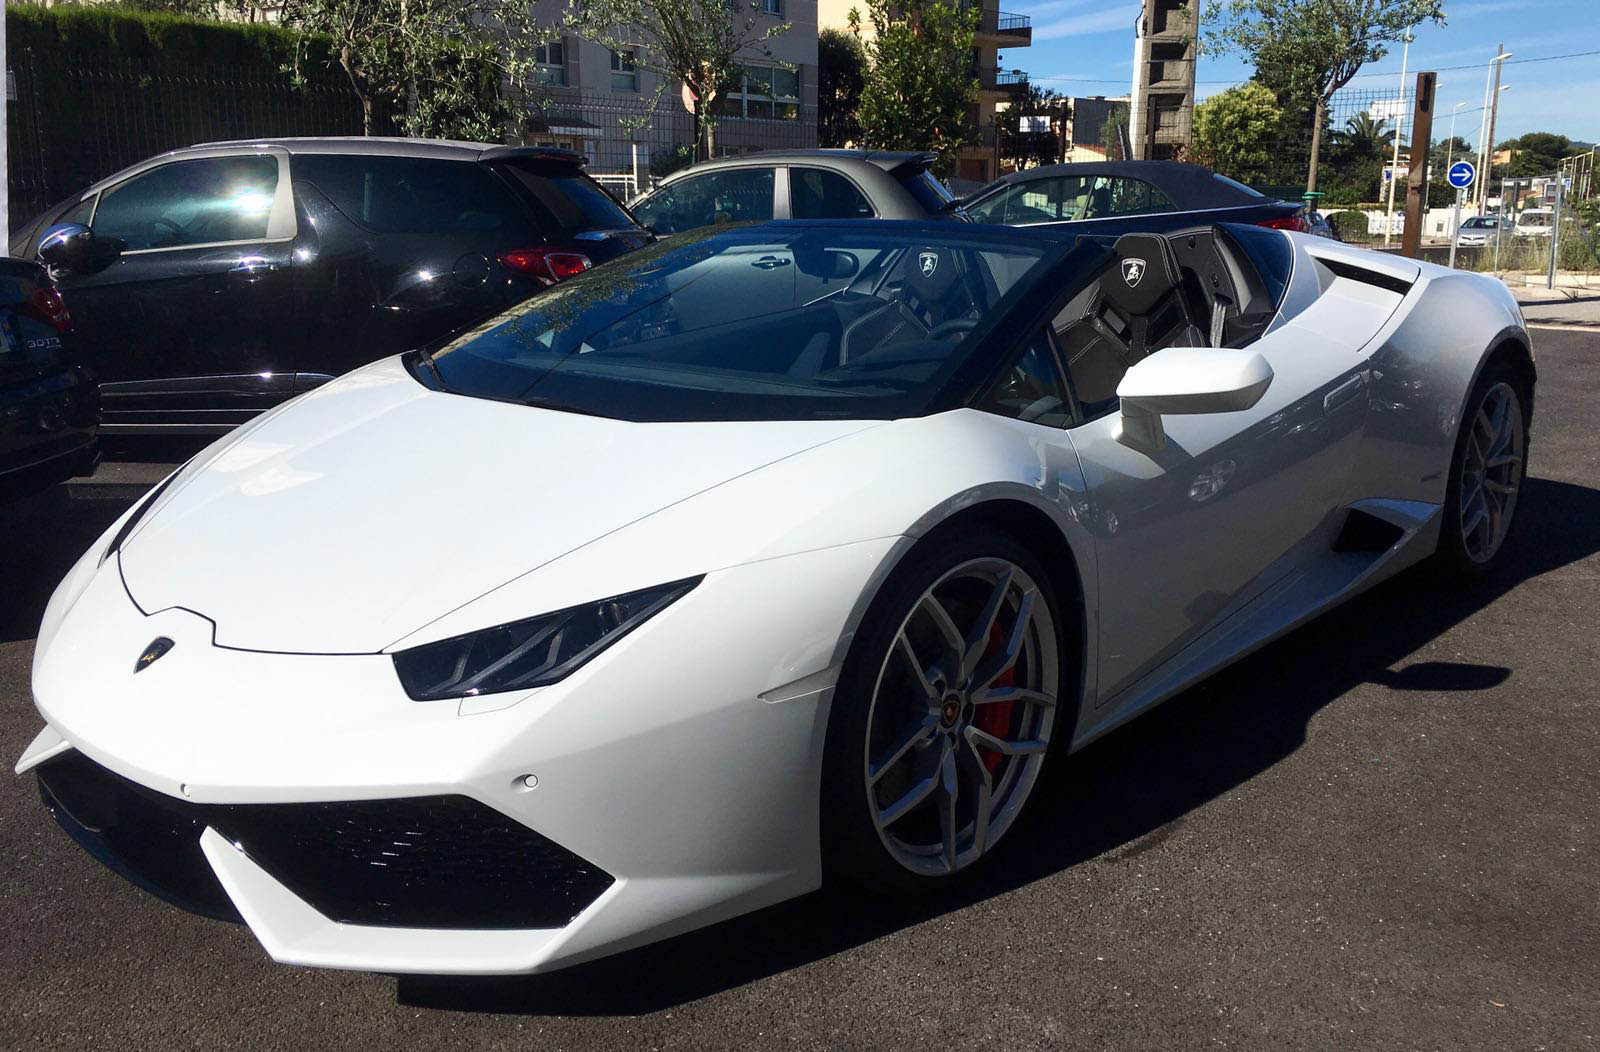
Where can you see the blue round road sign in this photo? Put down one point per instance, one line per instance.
(1462, 174)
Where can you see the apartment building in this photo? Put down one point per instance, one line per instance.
(1165, 43)
(997, 30)
(594, 99)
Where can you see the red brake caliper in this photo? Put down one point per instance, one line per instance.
(995, 719)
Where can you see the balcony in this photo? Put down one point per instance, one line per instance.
(998, 28)
(1003, 81)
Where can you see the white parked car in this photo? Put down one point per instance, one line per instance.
(1535, 222)
(755, 557)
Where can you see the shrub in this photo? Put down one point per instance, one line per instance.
(1349, 225)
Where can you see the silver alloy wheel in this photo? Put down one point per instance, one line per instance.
(961, 716)
(1491, 472)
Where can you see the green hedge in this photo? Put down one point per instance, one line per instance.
(170, 42)
(1349, 225)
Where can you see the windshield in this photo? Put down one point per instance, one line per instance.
(923, 185)
(770, 322)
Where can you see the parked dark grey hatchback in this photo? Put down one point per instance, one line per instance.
(213, 282)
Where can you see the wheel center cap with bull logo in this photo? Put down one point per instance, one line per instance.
(1133, 272)
(929, 261)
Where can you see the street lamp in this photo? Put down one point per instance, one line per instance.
(1450, 147)
(1483, 119)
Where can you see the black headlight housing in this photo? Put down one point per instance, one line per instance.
(525, 654)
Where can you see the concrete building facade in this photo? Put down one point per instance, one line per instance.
(1161, 122)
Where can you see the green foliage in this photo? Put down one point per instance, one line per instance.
(1305, 50)
(1349, 225)
(841, 76)
(450, 68)
(187, 8)
(1031, 148)
(97, 34)
(1364, 138)
(1236, 132)
(698, 43)
(1535, 153)
(1110, 140)
(669, 159)
(922, 82)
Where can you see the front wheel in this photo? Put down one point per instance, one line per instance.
(947, 707)
(1486, 474)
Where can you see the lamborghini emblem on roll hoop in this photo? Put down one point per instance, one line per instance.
(1133, 272)
(154, 652)
(929, 261)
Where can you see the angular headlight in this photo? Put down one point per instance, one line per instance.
(526, 654)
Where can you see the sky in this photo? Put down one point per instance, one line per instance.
(1085, 47)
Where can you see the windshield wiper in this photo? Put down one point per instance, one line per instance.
(427, 359)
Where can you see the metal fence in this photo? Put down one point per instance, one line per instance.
(73, 123)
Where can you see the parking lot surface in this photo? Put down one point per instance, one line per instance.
(1380, 831)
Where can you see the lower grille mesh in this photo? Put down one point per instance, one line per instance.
(418, 862)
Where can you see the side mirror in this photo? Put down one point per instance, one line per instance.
(72, 247)
(1184, 380)
(826, 264)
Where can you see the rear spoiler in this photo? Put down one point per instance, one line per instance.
(533, 153)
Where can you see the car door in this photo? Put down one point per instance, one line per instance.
(189, 327)
(710, 198)
(1234, 503)
(404, 250)
(821, 193)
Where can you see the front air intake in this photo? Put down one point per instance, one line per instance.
(416, 862)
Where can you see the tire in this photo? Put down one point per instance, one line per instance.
(1487, 472)
(985, 716)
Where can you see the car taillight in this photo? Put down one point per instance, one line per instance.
(1295, 223)
(546, 265)
(47, 303)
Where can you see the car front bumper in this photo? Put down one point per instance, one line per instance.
(670, 783)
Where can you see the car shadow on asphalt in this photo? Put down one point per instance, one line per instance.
(1114, 800)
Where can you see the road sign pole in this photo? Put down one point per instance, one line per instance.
(1455, 229)
(1555, 233)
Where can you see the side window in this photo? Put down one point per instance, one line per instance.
(1137, 197)
(79, 213)
(199, 202)
(818, 194)
(411, 195)
(736, 195)
(1030, 389)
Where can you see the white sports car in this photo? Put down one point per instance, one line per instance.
(763, 555)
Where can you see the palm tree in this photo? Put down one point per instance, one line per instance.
(1364, 136)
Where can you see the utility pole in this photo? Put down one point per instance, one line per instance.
(1494, 111)
(1399, 131)
(1417, 178)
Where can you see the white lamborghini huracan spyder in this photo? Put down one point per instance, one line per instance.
(761, 555)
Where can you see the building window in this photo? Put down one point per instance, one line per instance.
(624, 75)
(762, 93)
(551, 60)
(772, 7)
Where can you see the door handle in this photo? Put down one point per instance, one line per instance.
(770, 263)
(251, 266)
(1343, 393)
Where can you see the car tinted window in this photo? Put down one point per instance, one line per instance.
(564, 198)
(715, 326)
(930, 193)
(732, 195)
(199, 202)
(1136, 197)
(816, 193)
(1030, 389)
(410, 195)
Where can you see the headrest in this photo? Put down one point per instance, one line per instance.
(930, 274)
(1145, 271)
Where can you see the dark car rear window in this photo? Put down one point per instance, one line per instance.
(923, 185)
(566, 200)
(1237, 185)
(411, 195)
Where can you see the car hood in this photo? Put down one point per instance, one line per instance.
(372, 506)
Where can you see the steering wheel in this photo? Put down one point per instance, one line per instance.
(951, 327)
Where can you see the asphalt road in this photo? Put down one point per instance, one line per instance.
(1379, 832)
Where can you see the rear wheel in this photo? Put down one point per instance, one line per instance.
(946, 712)
(1486, 475)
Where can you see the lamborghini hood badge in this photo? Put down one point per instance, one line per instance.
(154, 652)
